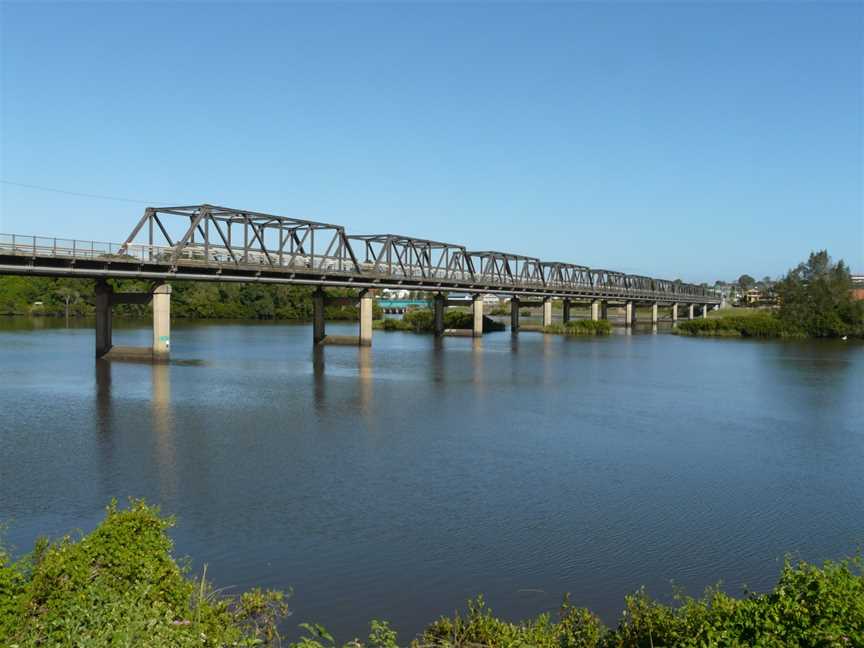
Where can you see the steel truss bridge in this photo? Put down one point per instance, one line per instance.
(210, 243)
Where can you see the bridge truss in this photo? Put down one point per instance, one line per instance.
(212, 243)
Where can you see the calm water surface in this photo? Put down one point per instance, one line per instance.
(397, 481)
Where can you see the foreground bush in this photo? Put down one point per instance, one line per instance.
(581, 327)
(120, 586)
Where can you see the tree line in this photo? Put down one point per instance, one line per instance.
(59, 296)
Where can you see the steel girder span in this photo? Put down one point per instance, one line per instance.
(208, 242)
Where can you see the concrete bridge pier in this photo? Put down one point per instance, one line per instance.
(363, 302)
(161, 322)
(705, 311)
(691, 312)
(675, 312)
(514, 315)
(438, 306)
(318, 328)
(478, 315)
(598, 309)
(565, 312)
(547, 312)
(629, 314)
(655, 315)
(365, 318)
(103, 318)
(159, 297)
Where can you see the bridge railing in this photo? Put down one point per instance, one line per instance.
(45, 246)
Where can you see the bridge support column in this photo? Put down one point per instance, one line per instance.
(161, 322)
(675, 312)
(365, 318)
(705, 311)
(547, 312)
(438, 305)
(103, 318)
(691, 312)
(629, 313)
(514, 314)
(478, 315)
(318, 332)
(655, 315)
(598, 309)
(565, 313)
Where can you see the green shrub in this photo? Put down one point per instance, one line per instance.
(581, 327)
(120, 585)
(763, 324)
(421, 320)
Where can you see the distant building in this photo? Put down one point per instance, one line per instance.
(753, 296)
(858, 286)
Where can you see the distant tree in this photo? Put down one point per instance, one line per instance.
(746, 282)
(69, 296)
(817, 297)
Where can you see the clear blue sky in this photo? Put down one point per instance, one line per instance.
(684, 140)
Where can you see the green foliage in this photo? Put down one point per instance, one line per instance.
(746, 282)
(808, 607)
(581, 327)
(193, 300)
(120, 585)
(381, 635)
(421, 320)
(817, 297)
(762, 324)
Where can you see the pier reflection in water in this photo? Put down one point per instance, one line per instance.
(398, 480)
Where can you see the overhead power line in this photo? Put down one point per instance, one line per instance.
(83, 195)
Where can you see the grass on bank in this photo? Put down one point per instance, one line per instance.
(121, 586)
(760, 324)
(581, 327)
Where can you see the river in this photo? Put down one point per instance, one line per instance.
(395, 482)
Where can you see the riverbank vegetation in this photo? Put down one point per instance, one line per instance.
(815, 300)
(121, 586)
(56, 297)
(580, 327)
